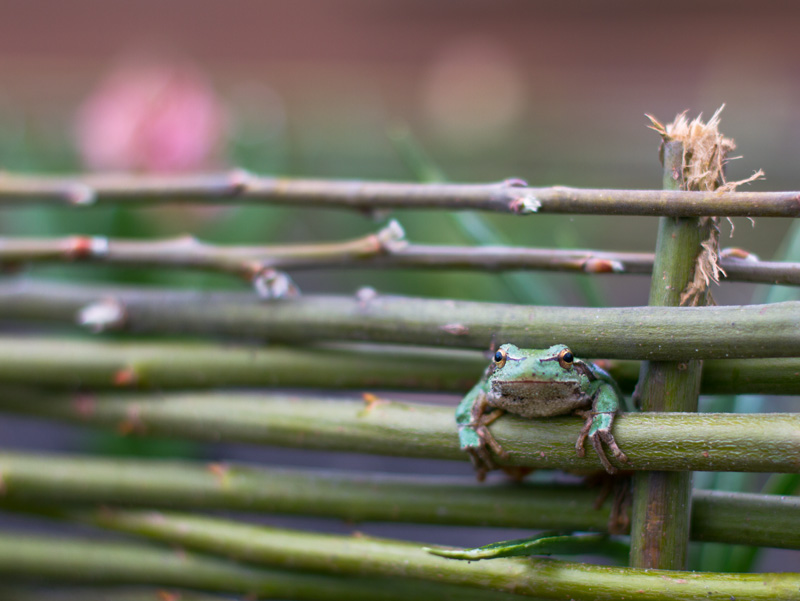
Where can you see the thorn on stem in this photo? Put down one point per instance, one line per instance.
(594, 265)
(102, 316)
(220, 472)
(125, 377)
(84, 247)
(270, 283)
(371, 401)
(525, 204)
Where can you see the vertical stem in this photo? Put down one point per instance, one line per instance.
(662, 500)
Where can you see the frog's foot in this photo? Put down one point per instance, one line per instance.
(619, 522)
(598, 429)
(620, 486)
(478, 441)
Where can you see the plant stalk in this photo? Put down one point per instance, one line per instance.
(662, 500)
(763, 520)
(369, 252)
(367, 557)
(165, 365)
(655, 333)
(511, 196)
(122, 593)
(49, 559)
(672, 441)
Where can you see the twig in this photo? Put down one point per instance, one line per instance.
(104, 364)
(371, 557)
(120, 593)
(188, 252)
(510, 196)
(657, 333)
(382, 250)
(163, 365)
(92, 561)
(765, 520)
(671, 441)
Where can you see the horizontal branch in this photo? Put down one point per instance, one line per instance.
(163, 365)
(188, 252)
(94, 364)
(510, 196)
(372, 557)
(383, 250)
(750, 519)
(100, 593)
(92, 561)
(655, 333)
(670, 441)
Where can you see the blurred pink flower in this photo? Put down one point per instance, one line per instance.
(151, 117)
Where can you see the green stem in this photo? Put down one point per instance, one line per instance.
(169, 365)
(48, 559)
(370, 557)
(674, 441)
(766, 520)
(507, 197)
(72, 593)
(662, 500)
(656, 333)
(103, 364)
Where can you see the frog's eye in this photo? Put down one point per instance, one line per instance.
(500, 358)
(565, 358)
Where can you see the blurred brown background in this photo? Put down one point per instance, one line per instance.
(548, 90)
(553, 92)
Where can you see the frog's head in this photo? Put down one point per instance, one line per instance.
(538, 374)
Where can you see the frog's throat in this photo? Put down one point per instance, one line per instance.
(534, 388)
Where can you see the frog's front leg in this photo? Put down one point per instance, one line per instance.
(473, 429)
(598, 426)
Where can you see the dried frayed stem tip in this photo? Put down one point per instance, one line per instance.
(705, 155)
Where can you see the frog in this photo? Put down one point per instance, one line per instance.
(534, 383)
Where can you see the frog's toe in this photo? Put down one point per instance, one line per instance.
(481, 460)
(604, 435)
(579, 450)
(490, 442)
(597, 443)
(608, 438)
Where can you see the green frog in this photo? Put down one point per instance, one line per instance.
(539, 383)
